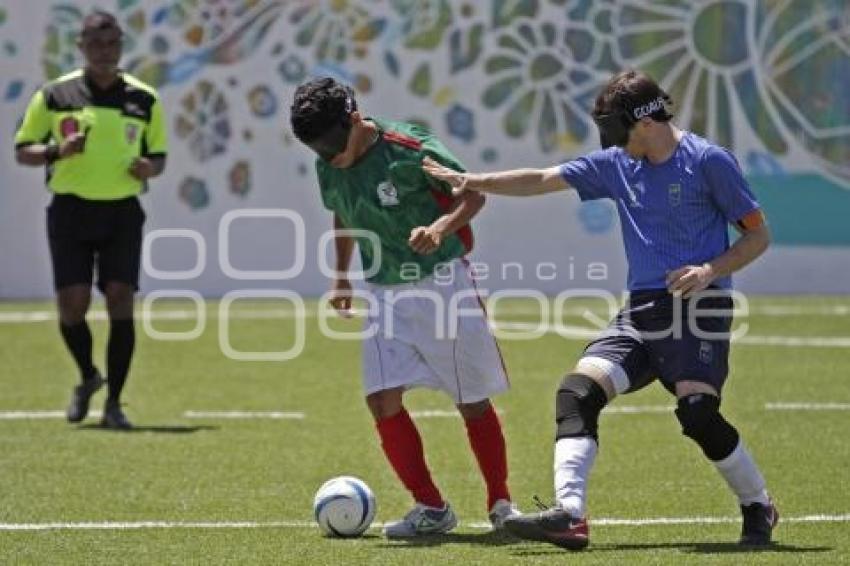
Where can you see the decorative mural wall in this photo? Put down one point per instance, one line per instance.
(503, 82)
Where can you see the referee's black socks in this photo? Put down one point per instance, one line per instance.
(122, 340)
(79, 341)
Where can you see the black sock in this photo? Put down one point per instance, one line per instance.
(79, 341)
(122, 340)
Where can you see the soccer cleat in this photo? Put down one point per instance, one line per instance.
(114, 417)
(758, 523)
(553, 525)
(422, 520)
(78, 408)
(501, 510)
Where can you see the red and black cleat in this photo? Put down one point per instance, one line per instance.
(553, 525)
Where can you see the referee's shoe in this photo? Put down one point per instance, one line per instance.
(78, 408)
(114, 417)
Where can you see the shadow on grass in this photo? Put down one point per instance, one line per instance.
(156, 429)
(685, 547)
(491, 538)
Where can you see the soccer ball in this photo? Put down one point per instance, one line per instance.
(344, 507)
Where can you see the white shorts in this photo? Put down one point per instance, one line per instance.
(433, 333)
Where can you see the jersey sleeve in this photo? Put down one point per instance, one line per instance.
(587, 175)
(729, 191)
(156, 134)
(35, 127)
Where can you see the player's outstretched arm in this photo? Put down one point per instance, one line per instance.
(515, 182)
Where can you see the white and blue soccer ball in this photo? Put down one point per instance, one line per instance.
(344, 507)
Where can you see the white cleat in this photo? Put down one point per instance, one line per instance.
(422, 520)
(501, 510)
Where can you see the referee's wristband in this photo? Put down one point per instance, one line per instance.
(51, 153)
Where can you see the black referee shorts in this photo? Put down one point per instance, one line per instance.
(84, 233)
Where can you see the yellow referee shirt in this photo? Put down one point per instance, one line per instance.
(121, 123)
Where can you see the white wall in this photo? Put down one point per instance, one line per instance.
(248, 47)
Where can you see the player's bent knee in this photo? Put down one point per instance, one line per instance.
(700, 417)
(579, 401)
(473, 410)
(610, 375)
(385, 403)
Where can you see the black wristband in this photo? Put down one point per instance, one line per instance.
(51, 153)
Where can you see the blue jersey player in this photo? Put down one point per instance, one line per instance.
(676, 193)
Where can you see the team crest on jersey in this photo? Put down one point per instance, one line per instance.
(387, 194)
(131, 132)
(69, 126)
(674, 194)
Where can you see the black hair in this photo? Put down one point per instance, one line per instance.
(635, 94)
(319, 105)
(99, 20)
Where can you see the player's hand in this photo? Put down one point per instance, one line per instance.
(142, 168)
(457, 180)
(340, 298)
(72, 145)
(686, 281)
(425, 240)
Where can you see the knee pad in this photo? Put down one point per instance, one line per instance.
(700, 417)
(577, 406)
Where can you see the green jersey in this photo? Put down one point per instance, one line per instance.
(387, 193)
(121, 123)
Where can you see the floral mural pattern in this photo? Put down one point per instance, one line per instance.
(738, 70)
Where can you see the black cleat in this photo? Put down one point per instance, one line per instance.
(553, 525)
(114, 417)
(759, 521)
(78, 408)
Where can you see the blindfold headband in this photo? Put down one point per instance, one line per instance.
(614, 127)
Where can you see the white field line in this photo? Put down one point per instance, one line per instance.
(605, 522)
(637, 409)
(244, 415)
(273, 415)
(190, 314)
(40, 415)
(566, 331)
(37, 415)
(23, 317)
(441, 414)
(434, 414)
(807, 406)
(580, 333)
(755, 310)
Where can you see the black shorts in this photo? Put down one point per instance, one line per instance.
(84, 232)
(652, 337)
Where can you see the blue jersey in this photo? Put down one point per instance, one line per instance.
(672, 214)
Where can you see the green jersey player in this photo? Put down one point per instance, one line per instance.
(412, 236)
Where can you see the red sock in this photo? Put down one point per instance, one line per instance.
(403, 446)
(488, 443)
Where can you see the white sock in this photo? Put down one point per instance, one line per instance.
(573, 459)
(743, 476)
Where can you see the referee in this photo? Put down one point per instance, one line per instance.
(100, 134)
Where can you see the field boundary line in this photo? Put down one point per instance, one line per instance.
(603, 521)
